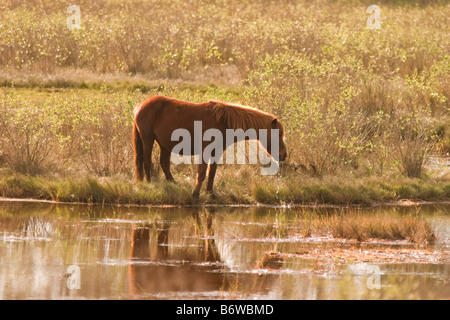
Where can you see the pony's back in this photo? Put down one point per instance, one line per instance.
(236, 116)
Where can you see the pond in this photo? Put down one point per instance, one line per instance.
(61, 251)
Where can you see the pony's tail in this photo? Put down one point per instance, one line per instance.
(138, 154)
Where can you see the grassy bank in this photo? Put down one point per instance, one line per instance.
(229, 190)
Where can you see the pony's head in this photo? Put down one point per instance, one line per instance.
(279, 140)
(236, 116)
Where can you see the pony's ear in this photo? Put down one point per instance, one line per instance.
(274, 122)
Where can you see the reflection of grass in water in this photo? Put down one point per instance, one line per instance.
(256, 223)
(393, 224)
(413, 229)
(354, 224)
(407, 281)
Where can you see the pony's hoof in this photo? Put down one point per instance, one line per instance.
(212, 195)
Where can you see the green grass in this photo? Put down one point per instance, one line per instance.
(122, 189)
(348, 190)
(94, 190)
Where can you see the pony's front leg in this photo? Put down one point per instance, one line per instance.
(201, 174)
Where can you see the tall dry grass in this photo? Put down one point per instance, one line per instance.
(389, 227)
(355, 100)
(67, 132)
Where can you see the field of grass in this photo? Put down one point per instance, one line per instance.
(363, 108)
(240, 186)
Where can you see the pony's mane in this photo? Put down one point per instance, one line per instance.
(237, 116)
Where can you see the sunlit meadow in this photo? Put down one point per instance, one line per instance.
(363, 108)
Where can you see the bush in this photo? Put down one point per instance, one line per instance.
(66, 131)
(28, 135)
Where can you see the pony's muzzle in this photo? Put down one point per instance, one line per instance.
(283, 156)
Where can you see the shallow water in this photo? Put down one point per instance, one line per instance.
(93, 252)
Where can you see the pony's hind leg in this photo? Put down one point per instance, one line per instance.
(211, 174)
(164, 160)
(148, 148)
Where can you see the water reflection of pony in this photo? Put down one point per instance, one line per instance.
(159, 265)
(158, 117)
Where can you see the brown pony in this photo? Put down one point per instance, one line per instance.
(158, 117)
